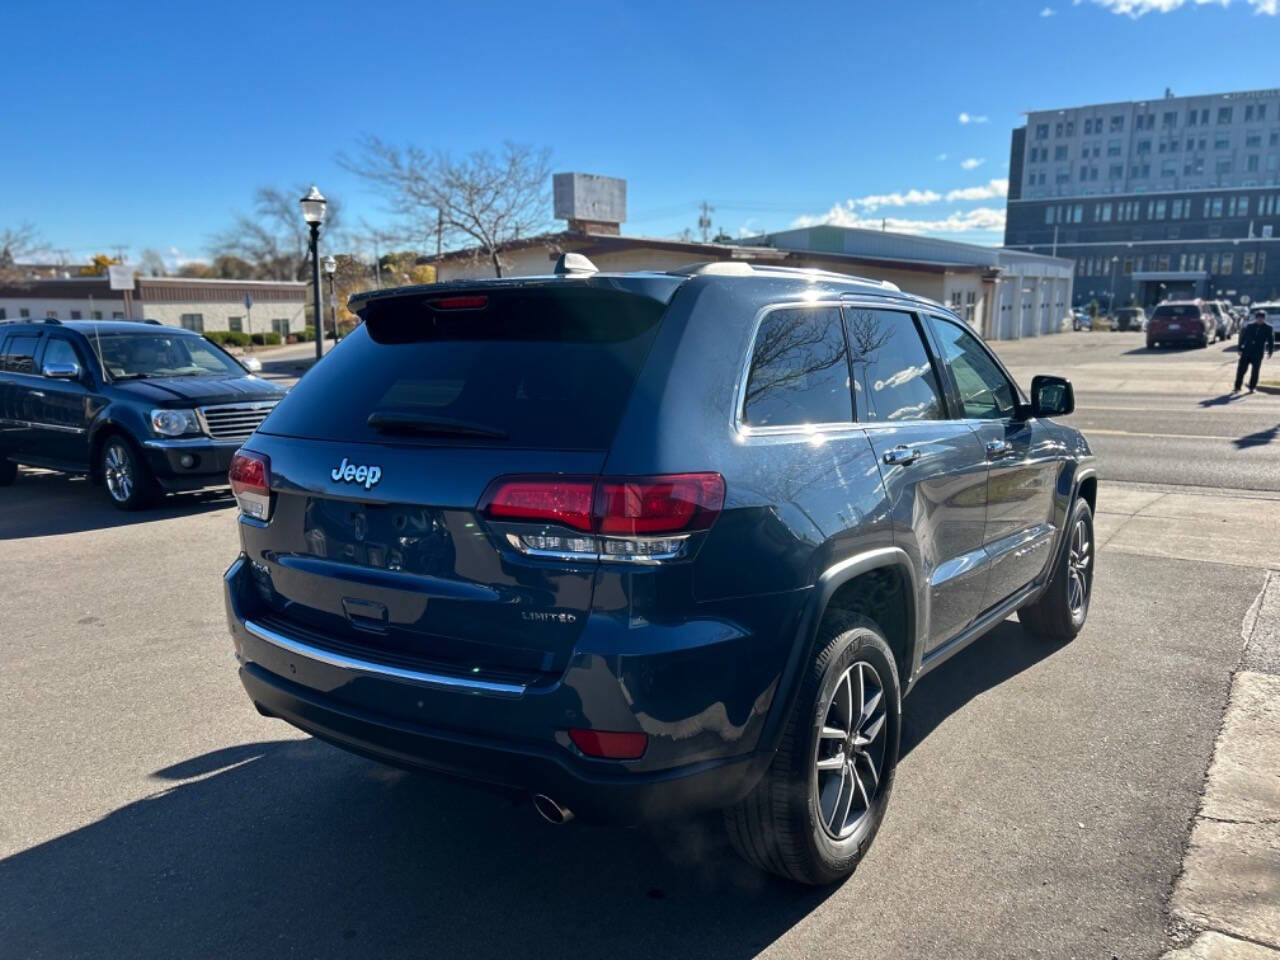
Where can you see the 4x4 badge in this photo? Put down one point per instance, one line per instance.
(349, 473)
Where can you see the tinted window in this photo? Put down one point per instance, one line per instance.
(1174, 312)
(136, 356)
(985, 392)
(18, 354)
(58, 350)
(799, 370)
(538, 368)
(892, 375)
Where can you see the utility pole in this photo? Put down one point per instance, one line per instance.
(704, 220)
(439, 232)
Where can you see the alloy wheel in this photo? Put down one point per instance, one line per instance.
(117, 471)
(1078, 568)
(849, 759)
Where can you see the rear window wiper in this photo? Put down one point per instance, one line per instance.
(422, 425)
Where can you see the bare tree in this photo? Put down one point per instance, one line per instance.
(151, 264)
(274, 238)
(483, 199)
(16, 244)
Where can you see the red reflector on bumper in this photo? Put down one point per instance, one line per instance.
(611, 746)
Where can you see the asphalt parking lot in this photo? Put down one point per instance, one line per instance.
(1041, 809)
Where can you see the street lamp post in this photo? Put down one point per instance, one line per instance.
(330, 266)
(1111, 304)
(313, 212)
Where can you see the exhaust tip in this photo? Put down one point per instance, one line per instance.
(551, 811)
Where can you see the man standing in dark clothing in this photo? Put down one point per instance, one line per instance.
(1254, 338)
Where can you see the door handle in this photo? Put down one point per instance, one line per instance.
(996, 448)
(901, 455)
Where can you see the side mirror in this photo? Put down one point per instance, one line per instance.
(252, 364)
(62, 371)
(1051, 396)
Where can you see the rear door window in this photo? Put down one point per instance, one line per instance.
(893, 375)
(18, 353)
(799, 370)
(543, 369)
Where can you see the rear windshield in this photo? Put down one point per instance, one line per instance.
(1128, 312)
(549, 369)
(1179, 311)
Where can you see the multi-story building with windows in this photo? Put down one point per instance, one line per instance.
(1154, 199)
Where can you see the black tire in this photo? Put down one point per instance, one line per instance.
(8, 472)
(780, 827)
(1056, 615)
(126, 478)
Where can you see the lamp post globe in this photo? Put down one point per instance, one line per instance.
(313, 205)
(330, 265)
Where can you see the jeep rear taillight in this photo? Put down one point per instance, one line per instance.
(250, 478)
(608, 518)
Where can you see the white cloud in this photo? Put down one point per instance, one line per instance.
(1048, 12)
(990, 191)
(896, 199)
(972, 163)
(973, 118)
(978, 220)
(1140, 8)
(941, 157)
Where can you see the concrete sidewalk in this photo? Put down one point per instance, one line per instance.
(1229, 889)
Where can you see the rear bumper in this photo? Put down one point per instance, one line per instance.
(190, 463)
(1177, 336)
(512, 735)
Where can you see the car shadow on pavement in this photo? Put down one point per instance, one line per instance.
(294, 848)
(987, 662)
(41, 504)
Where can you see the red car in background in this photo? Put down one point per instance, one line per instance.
(1193, 322)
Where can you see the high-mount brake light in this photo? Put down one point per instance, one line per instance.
(459, 303)
(644, 519)
(250, 479)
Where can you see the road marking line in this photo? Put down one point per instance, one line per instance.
(1155, 436)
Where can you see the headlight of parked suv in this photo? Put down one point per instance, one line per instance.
(174, 423)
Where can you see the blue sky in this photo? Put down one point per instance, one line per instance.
(151, 124)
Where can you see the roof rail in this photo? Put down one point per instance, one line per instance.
(50, 320)
(156, 323)
(741, 268)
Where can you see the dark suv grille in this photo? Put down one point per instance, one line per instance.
(234, 421)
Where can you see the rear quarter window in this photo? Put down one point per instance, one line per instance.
(799, 370)
(539, 368)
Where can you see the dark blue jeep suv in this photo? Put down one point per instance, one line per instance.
(648, 544)
(142, 408)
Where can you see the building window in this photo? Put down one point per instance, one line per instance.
(1170, 119)
(1060, 152)
(1222, 165)
(192, 321)
(1224, 115)
(1042, 131)
(280, 325)
(235, 324)
(1117, 124)
(1253, 138)
(1088, 125)
(97, 314)
(1105, 213)
(117, 314)
(51, 314)
(1226, 264)
(1113, 148)
(1057, 129)
(1169, 168)
(1248, 263)
(1160, 207)
(75, 314)
(1262, 262)
(2, 313)
(1191, 118)
(1251, 163)
(1128, 266)
(1213, 263)
(1117, 171)
(1144, 146)
(1221, 143)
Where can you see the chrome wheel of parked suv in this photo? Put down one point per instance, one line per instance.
(814, 813)
(1060, 612)
(850, 750)
(128, 481)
